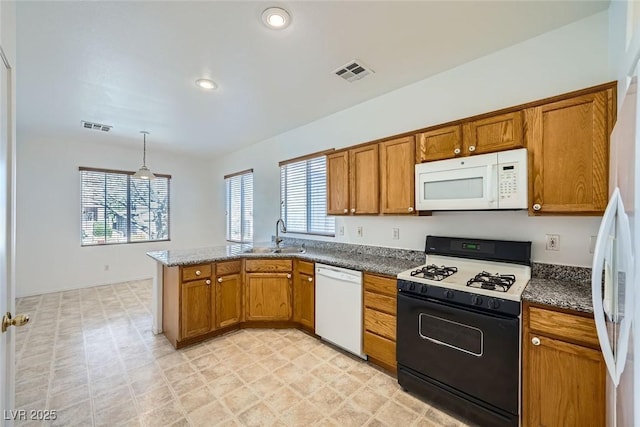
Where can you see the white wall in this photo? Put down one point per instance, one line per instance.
(570, 58)
(49, 255)
(624, 42)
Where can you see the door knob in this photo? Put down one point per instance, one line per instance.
(198, 272)
(456, 151)
(20, 320)
(208, 282)
(410, 209)
(310, 279)
(353, 210)
(535, 341)
(219, 279)
(288, 276)
(346, 210)
(472, 148)
(537, 207)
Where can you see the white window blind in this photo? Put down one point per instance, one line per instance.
(118, 208)
(240, 206)
(303, 192)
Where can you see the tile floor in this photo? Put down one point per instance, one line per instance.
(90, 355)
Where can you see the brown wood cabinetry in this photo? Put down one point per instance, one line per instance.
(494, 133)
(568, 144)
(304, 295)
(439, 144)
(338, 183)
(269, 289)
(380, 320)
(563, 371)
(363, 180)
(228, 293)
(397, 170)
(197, 308)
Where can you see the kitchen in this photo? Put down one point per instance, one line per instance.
(519, 74)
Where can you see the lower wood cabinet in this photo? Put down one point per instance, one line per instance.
(563, 371)
(269, 289)
(228, 294)
(196, 314)
(380, 320)
(304, 295)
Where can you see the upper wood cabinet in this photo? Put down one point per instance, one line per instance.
(363, 180)
(338, 183)
(397, 168)
(439, 144)
(564, 376)
(495, 133)
(568, 144)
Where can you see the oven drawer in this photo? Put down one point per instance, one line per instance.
(380, 323)
(380, 348)
(380, 302)
(567, 326)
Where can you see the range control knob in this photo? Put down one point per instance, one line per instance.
(412, 287)
(476, 300)
(423, 289)
(448, 293)
(402, 286)
(493, 303)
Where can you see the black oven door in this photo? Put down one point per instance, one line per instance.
(471, 351)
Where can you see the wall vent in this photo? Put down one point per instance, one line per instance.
(96, 126)
(353, 70)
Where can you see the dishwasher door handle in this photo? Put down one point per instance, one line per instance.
(334, 274)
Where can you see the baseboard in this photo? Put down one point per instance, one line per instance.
(76, 287)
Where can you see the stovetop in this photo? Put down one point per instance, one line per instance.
(493, 279)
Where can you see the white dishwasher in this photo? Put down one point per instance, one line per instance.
(339, 307)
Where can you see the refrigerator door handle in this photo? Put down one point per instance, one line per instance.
(602, 244)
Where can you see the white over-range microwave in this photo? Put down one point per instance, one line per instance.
(485, 181)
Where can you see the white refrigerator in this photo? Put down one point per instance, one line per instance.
(615, 269)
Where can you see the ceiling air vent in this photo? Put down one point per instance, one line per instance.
(96, 126)
(353, 70)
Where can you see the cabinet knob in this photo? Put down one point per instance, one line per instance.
(310, 279)
(346, 210)
(353, 210)
(208, 282)
(537, 207)
(288, 276)
(198, 272)
(472, 148)
(219, 279)
(456, 151)
(410, 209)
(535, 341)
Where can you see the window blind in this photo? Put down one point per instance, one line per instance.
(118, 208)
(303, 191)
(240, 206)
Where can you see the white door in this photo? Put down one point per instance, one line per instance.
(7, 203)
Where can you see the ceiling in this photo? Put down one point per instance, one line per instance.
(133, 65)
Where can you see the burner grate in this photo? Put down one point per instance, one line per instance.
(433, 272)
(494, 282)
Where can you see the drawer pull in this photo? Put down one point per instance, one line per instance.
(410, 209)
(535, 341)
(219, 279)
(288, 276)
(310, 279)
(346, 210)
(353, 210)
(208, 282)
(472, 148)
(198, 272)
(537, 207)
(456, 151)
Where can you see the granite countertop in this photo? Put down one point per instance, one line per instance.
(572, 295)
(386, 265)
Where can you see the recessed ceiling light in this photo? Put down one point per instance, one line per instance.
(276, 18)
(206, 84)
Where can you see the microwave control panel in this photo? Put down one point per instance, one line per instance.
(512, 179)
(508, 179)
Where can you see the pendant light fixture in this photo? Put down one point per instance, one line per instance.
(144, 172)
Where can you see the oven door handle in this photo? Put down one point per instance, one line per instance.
(444, 344)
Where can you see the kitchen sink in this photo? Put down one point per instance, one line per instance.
(272, 250)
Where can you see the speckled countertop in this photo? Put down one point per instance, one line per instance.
(560, 286)
(387, 265)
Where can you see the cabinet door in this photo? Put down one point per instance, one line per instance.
(568, 145)
(338, 183)
(304, 300)
(196, 310)
(228, 300)
(497, 133)
(566, 384)
(268, 296)
(363, 177)
(397, 172)
(439, 144)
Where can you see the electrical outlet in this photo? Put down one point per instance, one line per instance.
(592, 244)
(553, 242)
(359, 231)
(396, 234)
(341, 230)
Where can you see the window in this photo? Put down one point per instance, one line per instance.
(240, 206)
(118, 208)
(303, 192)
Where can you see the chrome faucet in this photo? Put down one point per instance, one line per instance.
(283, 226)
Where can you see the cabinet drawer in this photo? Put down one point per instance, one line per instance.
(380, 302)
(228, 267)
(193, 272)
(380, 323)
(305, 267)
(577, 328)
(382, 285)
(380, 348)
(267, 265)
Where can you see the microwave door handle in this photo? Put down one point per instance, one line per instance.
(491, 187)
